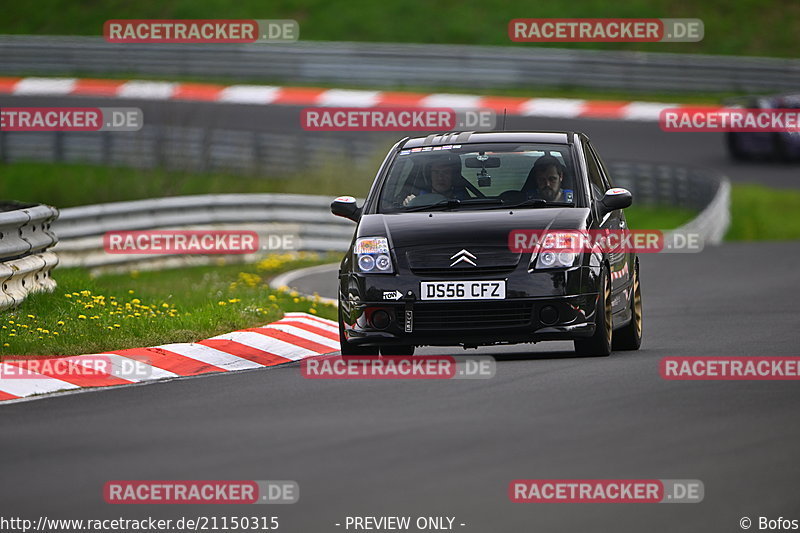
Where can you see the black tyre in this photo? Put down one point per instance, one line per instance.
(629, 337)
(347, 349)
(600, 343)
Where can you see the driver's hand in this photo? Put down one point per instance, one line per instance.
(408, 199)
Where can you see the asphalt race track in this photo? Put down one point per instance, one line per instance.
(450, 448)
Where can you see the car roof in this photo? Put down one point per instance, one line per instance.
(471, 137)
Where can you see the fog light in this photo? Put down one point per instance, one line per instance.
(379, 319)
(548, 315)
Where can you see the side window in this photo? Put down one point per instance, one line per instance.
(398, 182)
(595, 175)
(604, 170)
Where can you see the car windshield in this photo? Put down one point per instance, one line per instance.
(486, 176)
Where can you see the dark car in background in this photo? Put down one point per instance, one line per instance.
(766, 145)
(430, 261)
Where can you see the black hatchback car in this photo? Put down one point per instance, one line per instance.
(430, 262)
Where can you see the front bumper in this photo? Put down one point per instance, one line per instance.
(538, 306)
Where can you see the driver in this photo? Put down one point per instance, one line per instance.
(548, 173)
(444, 173)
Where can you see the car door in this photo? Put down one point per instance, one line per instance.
(620, 262)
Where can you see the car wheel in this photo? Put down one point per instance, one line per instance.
(397, 350)
(347, 349)
(630, 336)
(599, 344)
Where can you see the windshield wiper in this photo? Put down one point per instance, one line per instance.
(539, 202)
(454, 202)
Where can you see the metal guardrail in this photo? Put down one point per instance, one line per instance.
(307, 217)
(678, 186)
(25, 263)
(384, 64)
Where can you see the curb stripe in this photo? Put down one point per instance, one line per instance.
(206, 354)
(314, 96)
(246, 352)
(295, 337)
(312, 328)
(7, 396)
(270, 344)
(99, 380)
(33, 383)
(306, 334)
(314, 347)
(176, 364)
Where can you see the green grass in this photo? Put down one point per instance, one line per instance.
(661, 217)
(112, 312)
(744, 27)
(759, 213)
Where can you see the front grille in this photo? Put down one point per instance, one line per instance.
(463, 273)
(483, 315)
(487, 259)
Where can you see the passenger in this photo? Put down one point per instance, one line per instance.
(444, 175)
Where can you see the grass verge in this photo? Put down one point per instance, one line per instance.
(745, 27)
(112, 312)
(759, 213)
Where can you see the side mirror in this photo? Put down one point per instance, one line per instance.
(615, 198)
(345, 206)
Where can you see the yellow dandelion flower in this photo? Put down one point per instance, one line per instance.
(82, 317)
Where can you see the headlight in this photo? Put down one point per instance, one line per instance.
(551, 253)
(372, 255)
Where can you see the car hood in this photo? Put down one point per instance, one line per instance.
(485, 227)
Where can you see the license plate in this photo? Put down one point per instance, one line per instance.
(463, 290)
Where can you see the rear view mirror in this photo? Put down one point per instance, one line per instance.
(615, 198)
(488, 162)
(345, 206)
